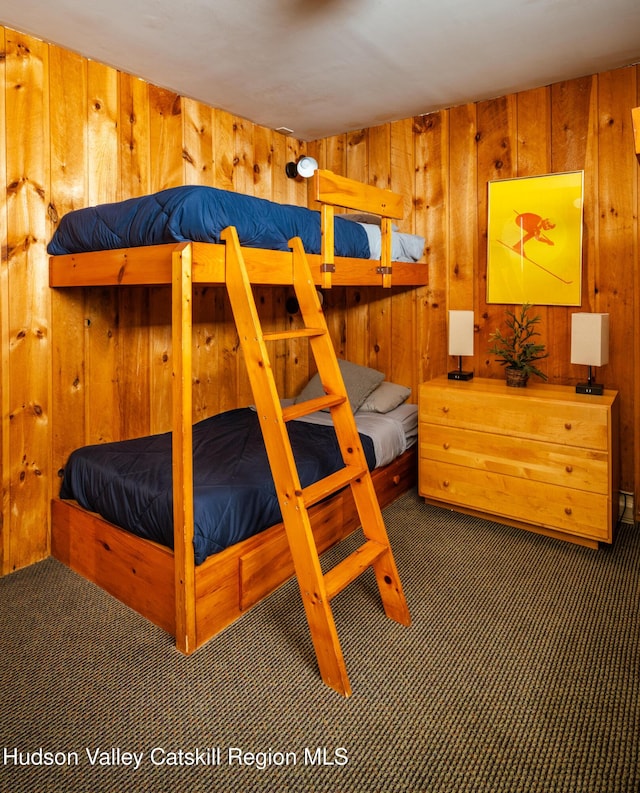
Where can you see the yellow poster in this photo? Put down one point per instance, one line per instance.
(535, 240)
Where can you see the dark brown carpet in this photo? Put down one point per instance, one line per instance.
(519, 675)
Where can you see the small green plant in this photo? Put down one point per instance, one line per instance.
(518, 348)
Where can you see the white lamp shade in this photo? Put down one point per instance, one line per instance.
(307, 166)
(590, 339)
(461, 333)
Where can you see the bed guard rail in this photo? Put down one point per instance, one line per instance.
(331, 191)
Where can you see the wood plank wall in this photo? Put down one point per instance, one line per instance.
(79, 366)
(448, 158)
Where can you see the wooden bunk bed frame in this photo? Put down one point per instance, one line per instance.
(194, 603)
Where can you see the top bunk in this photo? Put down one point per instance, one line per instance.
(133, 242)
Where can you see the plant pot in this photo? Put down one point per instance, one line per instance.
(516, 378)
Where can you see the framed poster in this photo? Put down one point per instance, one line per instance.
(535, 240)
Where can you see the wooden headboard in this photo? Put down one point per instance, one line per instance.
(331, 190)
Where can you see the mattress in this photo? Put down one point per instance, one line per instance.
(199, 214)
(129, 482)
(195, 213)
(391, 433)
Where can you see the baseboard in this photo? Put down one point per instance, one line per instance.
(626, 508)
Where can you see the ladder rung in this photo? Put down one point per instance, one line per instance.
(346, 571)
(300, 333)
(311, 406)
(331, 484)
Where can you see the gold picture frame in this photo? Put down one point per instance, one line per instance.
(534, 240)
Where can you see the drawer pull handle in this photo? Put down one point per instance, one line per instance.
(445, 483)
(445, 409)
(569, 469)
(568, 511)
(445, 445)
(567, 425)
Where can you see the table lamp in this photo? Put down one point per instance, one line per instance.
(460, 341)
(590, 346)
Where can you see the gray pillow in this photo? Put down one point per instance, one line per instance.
(359, 381)
(365, 217)
(385, 397)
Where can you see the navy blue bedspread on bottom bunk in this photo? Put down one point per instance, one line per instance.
(198, 213)
(129, 482)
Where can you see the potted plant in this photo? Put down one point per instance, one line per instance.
(518, 349)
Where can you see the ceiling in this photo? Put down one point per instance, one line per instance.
(322, 67)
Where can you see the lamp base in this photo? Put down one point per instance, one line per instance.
(457, 374)
(590, 388)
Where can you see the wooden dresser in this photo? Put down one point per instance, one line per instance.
(542, 457)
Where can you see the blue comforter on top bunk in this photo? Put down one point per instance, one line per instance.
(198, 214)
(129, 482)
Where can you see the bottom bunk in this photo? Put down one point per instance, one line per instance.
(140, 572)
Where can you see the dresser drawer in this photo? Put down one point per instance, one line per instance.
(533, 460)
(546, 505)
(529, 415)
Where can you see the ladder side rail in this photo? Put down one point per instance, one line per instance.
(323, 350)
(362, 487)
(284, 471)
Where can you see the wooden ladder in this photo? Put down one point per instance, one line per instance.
(317, 588)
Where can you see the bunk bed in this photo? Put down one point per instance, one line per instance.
(168, 585)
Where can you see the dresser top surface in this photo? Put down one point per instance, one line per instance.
(539, 390)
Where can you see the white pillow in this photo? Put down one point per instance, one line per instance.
(385, 397)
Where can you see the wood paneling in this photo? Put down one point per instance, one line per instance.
(27, 422)
(461, 234)
(431, 146)
(68, 180)
(75, 132)
(5, 380)
(134, 359)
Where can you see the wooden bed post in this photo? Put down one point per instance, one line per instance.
(327, 242)
(182, 448)
(385, 251)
